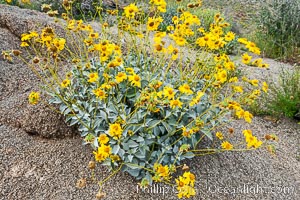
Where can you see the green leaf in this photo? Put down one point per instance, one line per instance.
(207, 133)
(132, 144)
(188, 155)
(116, 149)
(130, 157)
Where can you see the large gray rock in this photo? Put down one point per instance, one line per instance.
(17, 80)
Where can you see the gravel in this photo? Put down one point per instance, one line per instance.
(34, 168)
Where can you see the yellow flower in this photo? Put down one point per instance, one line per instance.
(65, 83)
(254, 82)
(197, 98)
(129, 70)
(33, 98)
(59, 43)
(229, 36)
(186, 133)
(135, 80)
(264, 65)
(180, 41)
(105, 86)
(169, 92)
(226, 145)
(158, 48)
(93, 35)
(115, 130)
(161, 172)
(153, 23)
(190, 178)
(219, 135)
(257, 62)
(185, 89)
(240, 113)
(102, 152)
(24, 44)
(26, 1)
(252, 47)
(238, 89)
(246, 59)
(121, 76)
(247, 133)
(248, 116)
(265, 87)
(118, 61)
(130, 10)
(185, 185)
(229, 65)
(99, 93)
(221, 76)
(251, 140)
(175, 103)
(233, 80)
(173, 51)
(93, 77)
(103, 139)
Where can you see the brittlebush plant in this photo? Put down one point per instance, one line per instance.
(145, 104)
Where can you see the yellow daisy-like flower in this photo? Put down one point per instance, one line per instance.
(186, 133)
(248, 116)
(233, 80)
(121, 76)
(257, 62)
(226, 145)
(229, 36)
(59, 43)
(221, 76)
(175, 103)
(99, 93)
(161, 172)
(130, 10)
(129, 70)
(65, 83)
(93, 35)
(24, 44)
(180, 41)
(103, 139)
(169, 92)
(185, 89)
(135, 80)
(153, 23)
(93, 77)
(265, 87)
(185, 185)
(254, 82)
(33, 98)
(105, 86)
(246, 59)
(243, 41)
(238, 89)
(102, 152)
(115, 130)
(219, 135)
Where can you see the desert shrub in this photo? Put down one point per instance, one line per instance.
(278, 28)
(284, 96)
(145, 100)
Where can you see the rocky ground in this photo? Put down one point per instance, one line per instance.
(34, 168)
